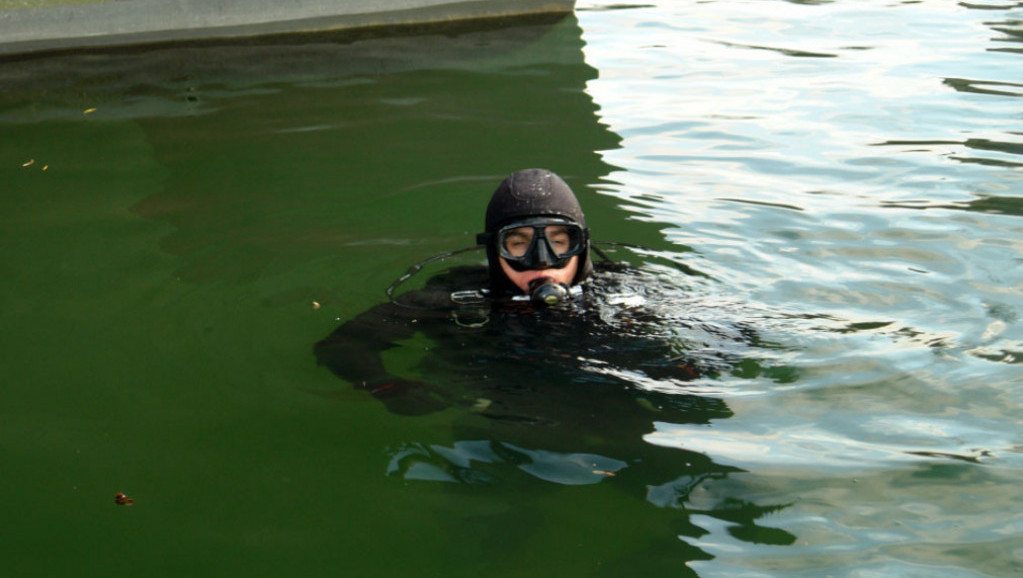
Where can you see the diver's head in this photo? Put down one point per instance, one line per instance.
(535, 229)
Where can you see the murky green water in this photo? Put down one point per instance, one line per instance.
(847, 175)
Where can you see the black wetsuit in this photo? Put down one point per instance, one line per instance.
(600, 366)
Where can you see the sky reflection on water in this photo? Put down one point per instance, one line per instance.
(856, 164)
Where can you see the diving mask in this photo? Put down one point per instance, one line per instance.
(538, 243)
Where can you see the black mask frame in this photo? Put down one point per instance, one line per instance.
(540, 254)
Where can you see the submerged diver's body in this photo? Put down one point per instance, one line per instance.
(534, 338)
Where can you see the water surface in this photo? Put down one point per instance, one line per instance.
(844, 176)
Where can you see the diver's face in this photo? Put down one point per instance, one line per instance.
(521, 279)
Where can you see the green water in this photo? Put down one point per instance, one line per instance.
(161, 273)
(178, 228)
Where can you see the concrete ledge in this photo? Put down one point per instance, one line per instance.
(138, 22)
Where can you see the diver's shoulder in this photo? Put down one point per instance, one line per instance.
(460, 277)
(437, 292)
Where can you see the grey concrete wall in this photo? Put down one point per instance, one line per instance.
(133, 22)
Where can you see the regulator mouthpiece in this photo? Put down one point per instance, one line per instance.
(548, 292)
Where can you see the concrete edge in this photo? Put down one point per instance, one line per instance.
(124, 23)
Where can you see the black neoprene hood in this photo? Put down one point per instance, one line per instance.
(532, 193)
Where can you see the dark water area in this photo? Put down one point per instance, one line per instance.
(827, 196)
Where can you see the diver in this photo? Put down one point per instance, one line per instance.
(537, 324)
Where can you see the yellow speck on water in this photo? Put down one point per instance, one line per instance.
(89, 111)
(315, 305)
(645, 404)
(29, 163)
(46, 167)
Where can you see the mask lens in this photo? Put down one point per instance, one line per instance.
(565, 240)
(515, 242)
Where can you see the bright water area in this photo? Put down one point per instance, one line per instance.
(179, 226)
